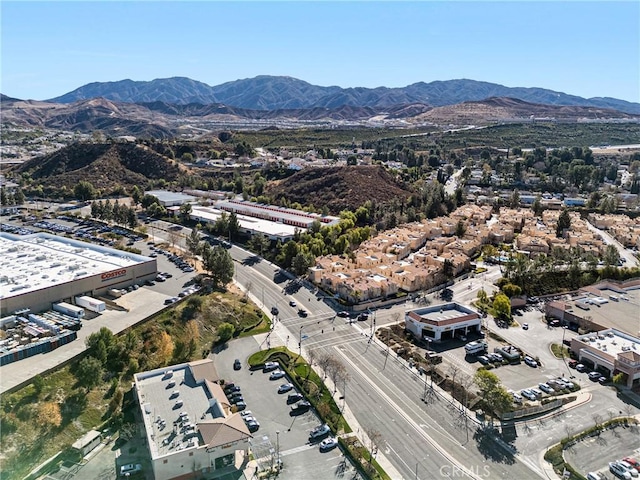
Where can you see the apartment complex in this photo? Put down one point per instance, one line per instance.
(412, 256)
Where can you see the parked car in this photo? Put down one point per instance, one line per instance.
(483, 359)
(294, 397)
(285, 387)
(633, 462)
(594, 376)
(237, 364)
(129, 469)
(302, 406)
(530, 361)
(240, 406)
(630, 468)
(236, 399)
(602, 380)
(573, 363)
(276, 375)
(231, 390)
(343, 314)
(619, 471)
(536, 392)
(270, 366)
(319, 432)
(253, 426)
(545, 387)
(581, 368)
(528, 394)
(328, 444)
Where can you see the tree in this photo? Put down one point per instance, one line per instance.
(136, 194)
(502, 306)
(18, 196)
(164, 348)
(492, 392)
(89, 372)
(536, 206)
(234, 226)
(461, 228)
(514, 201)
(49, 414)
(301, 263)
(84, 191)
(185, 211)
(259, 243)
(225, 332)
(38, 384)
(218, 262)
(564, 223)
(611, 256)
(193, 241)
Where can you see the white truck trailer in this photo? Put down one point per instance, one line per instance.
(69, 310)
(91, 304)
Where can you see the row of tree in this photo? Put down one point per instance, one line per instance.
(114, 212)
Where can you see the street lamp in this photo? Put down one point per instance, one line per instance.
(300, 341)
(277, 450)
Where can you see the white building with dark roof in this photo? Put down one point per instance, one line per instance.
(191, 429)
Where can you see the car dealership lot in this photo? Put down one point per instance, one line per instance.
(300, 458)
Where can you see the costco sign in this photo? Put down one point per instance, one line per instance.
(115, 274)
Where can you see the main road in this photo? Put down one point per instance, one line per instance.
(419, 439)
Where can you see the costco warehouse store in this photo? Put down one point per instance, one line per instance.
(40, 269)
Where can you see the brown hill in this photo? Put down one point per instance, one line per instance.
(105, 165)
(339, 188)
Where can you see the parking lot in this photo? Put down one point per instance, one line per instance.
(300, 459)
(593, 454)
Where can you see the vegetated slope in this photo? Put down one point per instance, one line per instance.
(279, 92)
(339, 188)
(112, 118)
(106, 166)
(496, 109)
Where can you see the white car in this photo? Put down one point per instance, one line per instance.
(629, 468)
(328, 444)
(129, 469)
(545, 387)
(276, 375)
(285, 387)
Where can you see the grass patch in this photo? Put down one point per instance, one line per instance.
(559, 351)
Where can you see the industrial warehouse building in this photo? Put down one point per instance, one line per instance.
(190, 426)
(40, 269)
(437, 323)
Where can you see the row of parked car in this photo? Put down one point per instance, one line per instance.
(594, 376)
(295, 398)
(550, 387)
(627, 468)
(176, 259)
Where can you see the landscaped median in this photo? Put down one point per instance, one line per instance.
(309, 383)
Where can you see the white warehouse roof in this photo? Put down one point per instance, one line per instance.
(41, 260)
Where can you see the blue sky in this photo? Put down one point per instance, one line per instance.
(583, 48)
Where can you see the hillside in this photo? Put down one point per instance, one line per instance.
(338, 188)
(278, 92)
(107, 166)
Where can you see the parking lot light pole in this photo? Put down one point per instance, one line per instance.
(277, 450)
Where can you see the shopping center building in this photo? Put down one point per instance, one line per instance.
(40, 269)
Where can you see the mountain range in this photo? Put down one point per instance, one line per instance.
(280, 92)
